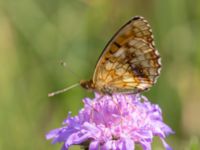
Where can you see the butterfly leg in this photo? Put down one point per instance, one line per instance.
(97, 113)
(118, 107)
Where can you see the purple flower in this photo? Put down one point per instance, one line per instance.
(116, 122)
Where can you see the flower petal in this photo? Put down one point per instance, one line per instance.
(114, 122)
(94, 145)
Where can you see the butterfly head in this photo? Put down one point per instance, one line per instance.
(87, 84)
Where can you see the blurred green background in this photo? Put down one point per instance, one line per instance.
(37, 35)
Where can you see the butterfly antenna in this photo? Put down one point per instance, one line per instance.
(63, 90)
(65, 64)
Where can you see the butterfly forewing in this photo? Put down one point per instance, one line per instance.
(129, 63)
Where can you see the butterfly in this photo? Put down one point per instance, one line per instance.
(129, 62)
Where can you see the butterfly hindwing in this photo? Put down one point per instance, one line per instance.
(130, 62)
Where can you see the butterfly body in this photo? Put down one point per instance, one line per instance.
(129, 63)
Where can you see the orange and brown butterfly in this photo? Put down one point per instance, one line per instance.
(129, 63)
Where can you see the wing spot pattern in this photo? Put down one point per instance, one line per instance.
(130, 62)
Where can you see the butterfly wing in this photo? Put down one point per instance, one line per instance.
(129, 63)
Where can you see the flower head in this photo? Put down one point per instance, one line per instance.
(116, 122)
